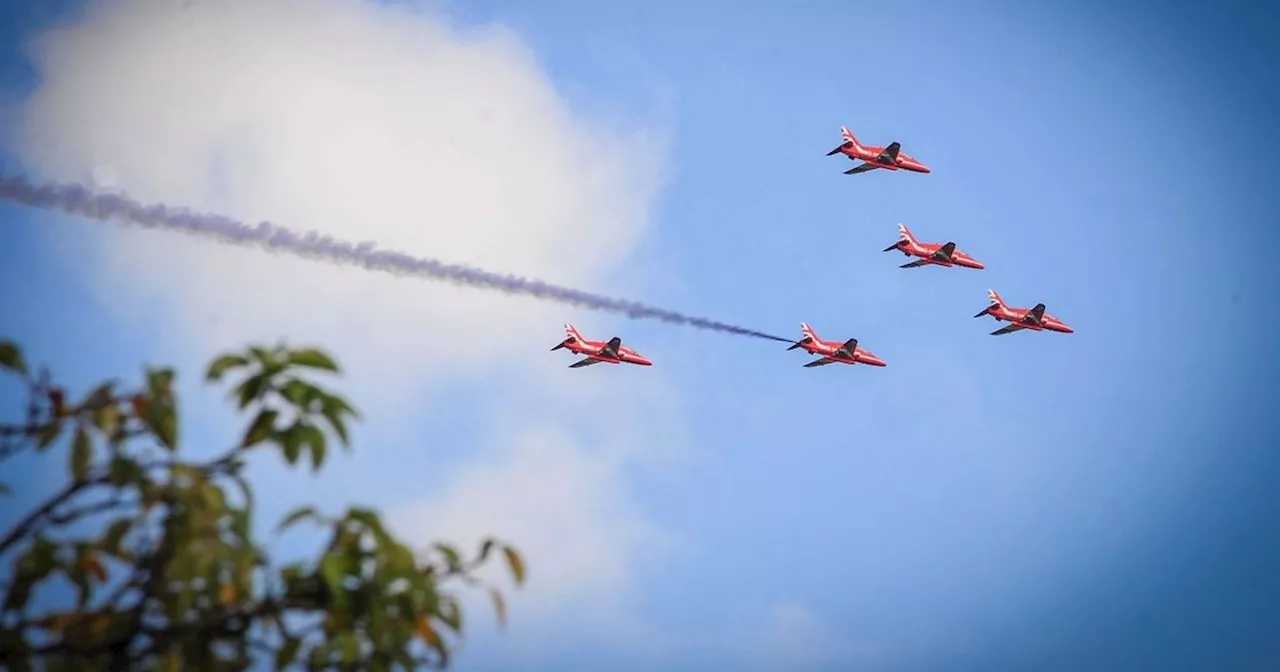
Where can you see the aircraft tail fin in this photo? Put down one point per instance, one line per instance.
(571, 336)
(808, 331)
(849, 137)
(994, 301)
(905, 235)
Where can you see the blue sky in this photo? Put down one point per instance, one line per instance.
(1098, 500)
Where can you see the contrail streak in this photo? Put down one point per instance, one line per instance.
(79, 200)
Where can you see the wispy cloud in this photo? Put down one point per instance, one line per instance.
(387, 124)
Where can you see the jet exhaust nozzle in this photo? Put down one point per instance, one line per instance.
(800, 343)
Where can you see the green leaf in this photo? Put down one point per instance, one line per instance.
(515, 562)
(240, 524)
(169, 430)
(451, 614)
(160, 382)
(316, 438)
(263, 426)
(350, 648)
(11, 357)
(332, 410)
(450, 554)
(291, 442)
(288, 651)
(310, 357)
(124, 471)
(366, 517)
(399, 559)
(341, 406)
(252, 388)
(43, 555)
(212, 498)
(107, 419)
(49, 434)
(149, 494)
(332, 569)
(297, 515)
(223, 364)
(163, 421)
(265, 357)
(99, 397)
(297, 392)
(110, 542)
(81, 454)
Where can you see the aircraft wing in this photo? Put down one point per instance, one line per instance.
(914, 264)
(610, 349)
(1035, 315)
(820, 362)
(850, 346)
(861, 169)
(585, 362)
(890, 153)
(1007, 330)
(944, 253)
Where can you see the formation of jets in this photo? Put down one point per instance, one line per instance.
(946, 254)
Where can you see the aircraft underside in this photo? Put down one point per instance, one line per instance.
(868, 166)
(594, 359)
(828, 360)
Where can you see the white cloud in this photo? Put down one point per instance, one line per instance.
(361, 122)
(386, 124)
(565, 507)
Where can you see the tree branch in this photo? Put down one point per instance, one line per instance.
(88, 510)
(23, 528)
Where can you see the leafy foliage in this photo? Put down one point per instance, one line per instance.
(172, 577)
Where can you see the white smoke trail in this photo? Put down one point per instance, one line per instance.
(79, 200)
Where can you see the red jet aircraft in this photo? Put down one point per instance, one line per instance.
(1021, 318)
(930, 253)
(833, 351)
(599, 351)
(889, 158)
